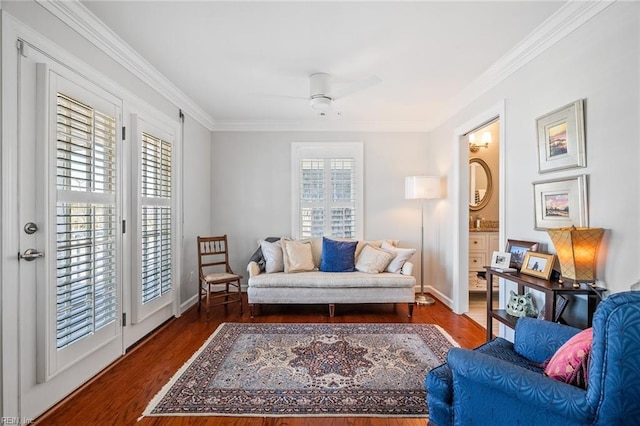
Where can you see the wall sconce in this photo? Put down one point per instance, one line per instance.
(484, 143)
(577, 250)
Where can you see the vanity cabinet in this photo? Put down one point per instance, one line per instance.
(482, 244)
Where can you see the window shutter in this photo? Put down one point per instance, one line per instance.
(86, 220)
(156, 217)
(328, 188)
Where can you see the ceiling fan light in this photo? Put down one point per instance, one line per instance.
(321, 103)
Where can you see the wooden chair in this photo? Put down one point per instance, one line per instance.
(213, 264)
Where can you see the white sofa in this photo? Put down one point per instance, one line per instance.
(318, 287)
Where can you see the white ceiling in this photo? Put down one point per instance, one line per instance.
(244, 63)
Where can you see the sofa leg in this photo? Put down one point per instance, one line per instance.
(251, 309)
(332, 309)
(410, 305)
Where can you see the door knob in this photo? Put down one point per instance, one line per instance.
(30, 255)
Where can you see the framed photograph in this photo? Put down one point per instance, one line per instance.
(538, 264)
(561, 304)
(561, 138)
(500, 260)
(561, 203)
(518, 249)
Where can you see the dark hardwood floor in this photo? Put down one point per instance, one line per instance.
(119, 395)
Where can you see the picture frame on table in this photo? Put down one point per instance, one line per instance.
(560, 203)
(538, 264)
(500, 261)
(561, 138)
(518, 249)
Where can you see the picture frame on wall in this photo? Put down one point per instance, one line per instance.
(561, 138)
(538, 264)
(560, 203)
(518, 249)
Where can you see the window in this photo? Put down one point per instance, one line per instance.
(86, 298)
(327, 189)
(156, 217)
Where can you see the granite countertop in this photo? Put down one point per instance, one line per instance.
(485, 226)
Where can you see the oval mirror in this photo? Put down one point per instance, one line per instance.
(480, 184)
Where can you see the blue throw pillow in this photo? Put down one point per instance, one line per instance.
(338, 256)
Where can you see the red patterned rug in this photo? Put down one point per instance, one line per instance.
(286, 370)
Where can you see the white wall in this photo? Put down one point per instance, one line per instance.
(598, 62)
(252, 186)
(197, 202)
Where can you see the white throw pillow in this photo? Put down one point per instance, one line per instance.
(272, 253)
(402, 255)
(373, 260)
(297, 256)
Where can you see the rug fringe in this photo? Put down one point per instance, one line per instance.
(158, 396)
(447, 336)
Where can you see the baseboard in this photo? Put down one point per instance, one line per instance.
(184, 306)
(441, 297)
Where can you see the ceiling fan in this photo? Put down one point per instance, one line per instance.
(322, 95)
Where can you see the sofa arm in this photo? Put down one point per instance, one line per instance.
(525, 390)
(538, 340)
(407, 268)
(253, 269)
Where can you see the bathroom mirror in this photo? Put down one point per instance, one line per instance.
(480, 184)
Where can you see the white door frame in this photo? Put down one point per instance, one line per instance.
(461, 202)
(10, 294)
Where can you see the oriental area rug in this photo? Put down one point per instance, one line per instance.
(288, 370)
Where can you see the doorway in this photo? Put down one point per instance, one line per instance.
(484, 217)
(486, 235)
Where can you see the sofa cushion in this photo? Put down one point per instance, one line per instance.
(297, 256)
(401, 256)
(570, 364)
(338, 256)
(318, 279)
(373, 260)
(272, 253)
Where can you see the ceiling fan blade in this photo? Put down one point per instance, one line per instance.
(354, 87)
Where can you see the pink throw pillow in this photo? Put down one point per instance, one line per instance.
(570, 364)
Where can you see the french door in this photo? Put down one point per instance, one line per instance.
(99, 230)
(70, 205)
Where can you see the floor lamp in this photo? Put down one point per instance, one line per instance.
(422, 188)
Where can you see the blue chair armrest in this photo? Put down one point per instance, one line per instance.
(538, 340)
(530, 388)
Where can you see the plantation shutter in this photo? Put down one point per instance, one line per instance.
(156, 192)
(328, 186)
(86, 260)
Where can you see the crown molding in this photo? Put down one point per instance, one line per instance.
(564, 21)
(84, 22)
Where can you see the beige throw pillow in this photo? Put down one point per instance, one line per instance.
(373, 260)
(402, 255)
(297, 256)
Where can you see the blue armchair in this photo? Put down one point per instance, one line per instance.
(503, 383)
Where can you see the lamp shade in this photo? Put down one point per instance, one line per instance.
(422, 187)
(577, 251)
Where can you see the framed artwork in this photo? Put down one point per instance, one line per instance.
(560, 203)
(500, 260)
(561, 143)
(518, 249)
(538, 264)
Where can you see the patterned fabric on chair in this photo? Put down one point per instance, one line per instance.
(503, 383)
